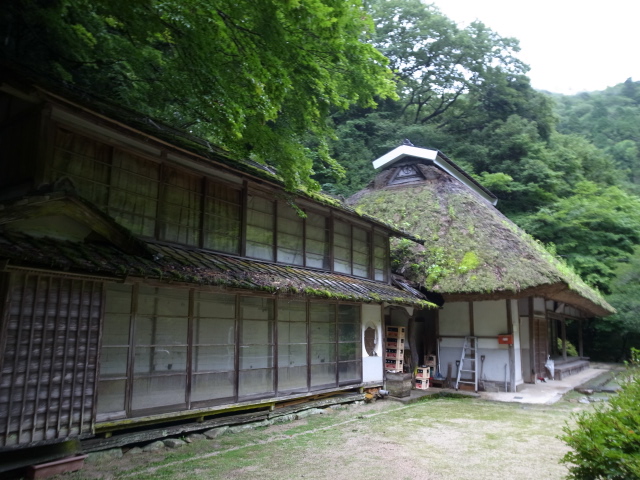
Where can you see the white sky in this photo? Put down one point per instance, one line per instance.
(570, 45)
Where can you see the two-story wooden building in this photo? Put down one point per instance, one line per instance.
(146, 276)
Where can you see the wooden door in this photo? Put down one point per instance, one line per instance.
(540, 345)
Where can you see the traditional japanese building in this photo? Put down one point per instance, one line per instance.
(493, 281)
(147, 277)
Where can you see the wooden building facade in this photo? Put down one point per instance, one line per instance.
(147, 277)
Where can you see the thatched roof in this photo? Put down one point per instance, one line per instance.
(471, 250)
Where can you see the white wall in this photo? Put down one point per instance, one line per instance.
(490, 318)
(454, 319)
(372, 366)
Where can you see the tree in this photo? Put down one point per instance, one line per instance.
(594, 229)
(252, 77)
(436, 62)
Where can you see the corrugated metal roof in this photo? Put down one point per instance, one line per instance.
(172, 264)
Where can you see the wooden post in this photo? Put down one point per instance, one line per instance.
(580, 340)
(512, 352)
(564, 338)
(532, 351)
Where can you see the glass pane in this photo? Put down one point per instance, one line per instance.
(322, 312)
(111, 396)
(293, 257)
(161, 331)
(256, 308)
(215, 305)
(323, 353)
(292, 311)
(349, 313)
(292, 379)
(115, 330)
(322, 332)
(255, 382)
(160, 359)
(220, 331)
(222, 218)
(214, 358)
(256, 356)
(349, 372)
(292, 332)
(211, 386)
(118, 299)
(113, 361)
(348, 332)
(163, 301)
(257, 250)
(349, 351)
(324, 374)
(292, 355)
(256, 332)
(150, 392)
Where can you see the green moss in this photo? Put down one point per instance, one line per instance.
(470, 261)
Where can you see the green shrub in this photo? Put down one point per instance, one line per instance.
(571, 349)
(606, 442)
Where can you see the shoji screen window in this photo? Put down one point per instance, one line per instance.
(322, 323)
(115, 350)
(292, 347)
(260, 227)
(290, 235)
(133, 196)
(349, 344)
(380, 257)
(317, 241)
(214, 334)
(181, 207)
(256, 357)
(160, 365)
(341, 247)
(361, 252)
(222, 218)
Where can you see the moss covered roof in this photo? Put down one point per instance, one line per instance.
(471, 250)
(173, 264)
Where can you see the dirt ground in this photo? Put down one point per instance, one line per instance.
(442, 438)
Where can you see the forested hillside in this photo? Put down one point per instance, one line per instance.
(296, 84)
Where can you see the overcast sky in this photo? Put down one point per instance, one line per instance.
(570, 45)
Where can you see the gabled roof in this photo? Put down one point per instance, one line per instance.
(410, 154)
(173, 264)
(471, 251)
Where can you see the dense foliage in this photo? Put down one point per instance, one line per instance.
(606, 442)
(253, 77)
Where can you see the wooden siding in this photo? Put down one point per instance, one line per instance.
(50, 335)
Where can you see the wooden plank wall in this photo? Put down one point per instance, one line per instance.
(48, 358)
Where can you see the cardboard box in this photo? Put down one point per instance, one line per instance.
(395, 342)
(423, 372)
(430, 361)
(396, 332)
(422, 384)
(391, 364)
(394, 353)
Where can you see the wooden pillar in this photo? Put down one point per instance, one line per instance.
(532, 351)
(564, 338)
(512, 353)
(580, 341)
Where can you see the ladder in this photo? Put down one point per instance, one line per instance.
(468, 363)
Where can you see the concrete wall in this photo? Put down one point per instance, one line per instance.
(372, 366)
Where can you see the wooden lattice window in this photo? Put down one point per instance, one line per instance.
(317, 245)
(181, 207)
(213, 352)
(222, 219)
(85, 162)
(260, 227)
(351, 249)
(292, 347)
(290, 237)
(133, 194)
(380, 257)
(256, 341)
(49, 359)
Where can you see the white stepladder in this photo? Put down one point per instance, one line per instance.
(468, 363)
